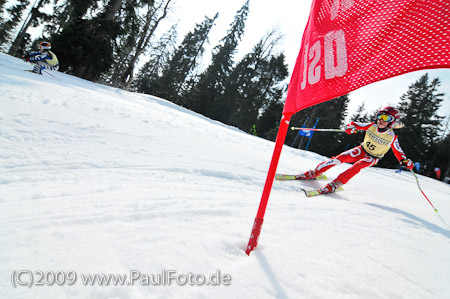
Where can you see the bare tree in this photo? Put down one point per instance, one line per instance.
(154, 16)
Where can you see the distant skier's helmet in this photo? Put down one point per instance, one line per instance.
(45, 46)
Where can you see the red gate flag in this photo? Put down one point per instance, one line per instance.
(348, 44)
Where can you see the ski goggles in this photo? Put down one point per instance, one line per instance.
(385, 117)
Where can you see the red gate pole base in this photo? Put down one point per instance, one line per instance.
(253, 242)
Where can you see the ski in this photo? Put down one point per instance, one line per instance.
(31, 71)
(291, 177)
(312, 193)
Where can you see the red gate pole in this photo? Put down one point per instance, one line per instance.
(281, 136)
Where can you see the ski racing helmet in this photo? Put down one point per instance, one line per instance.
(389, 114)
(45, 46)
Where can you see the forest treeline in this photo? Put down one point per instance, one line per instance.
(103, 41)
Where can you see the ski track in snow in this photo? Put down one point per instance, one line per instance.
(99, 180)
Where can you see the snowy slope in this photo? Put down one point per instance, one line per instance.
(98, 180)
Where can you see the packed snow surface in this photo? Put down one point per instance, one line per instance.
(97, 180)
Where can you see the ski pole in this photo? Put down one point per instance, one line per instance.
(50, 75)
(417, 180)
(320, 130)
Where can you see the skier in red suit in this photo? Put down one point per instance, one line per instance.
(379, 138)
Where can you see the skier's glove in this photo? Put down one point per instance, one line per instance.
(408, 163)
(26, 57)
(351, 129)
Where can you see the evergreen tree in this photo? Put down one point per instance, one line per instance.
(31, 20)
(67, 12)
(211, 82)
(252, 85)
(360, 115)
(85, 46)
(269, 120)
(2, 21)
(331, 114)
(419, 106)
(171, 84)
(8, 25)
(441, 157)
(159, 55)
(4, 27)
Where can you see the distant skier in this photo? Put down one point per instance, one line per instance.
(379, 138)
(42, 59)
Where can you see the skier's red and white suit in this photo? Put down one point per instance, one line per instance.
(371, 150)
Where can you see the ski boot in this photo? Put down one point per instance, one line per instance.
(308, 175)
(330, 187)
(38, 69)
